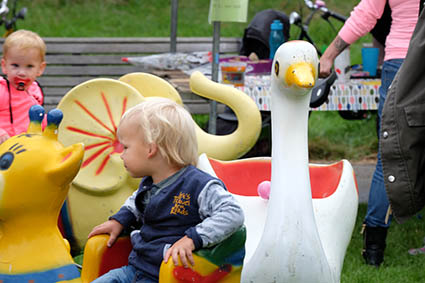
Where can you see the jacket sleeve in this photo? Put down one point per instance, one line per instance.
(128, 215)
(362, 20)
(220, 213)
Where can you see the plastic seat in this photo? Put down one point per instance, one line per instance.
(220, 263)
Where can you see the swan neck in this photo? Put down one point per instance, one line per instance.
(289, 127)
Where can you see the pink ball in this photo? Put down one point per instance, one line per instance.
(264, 189)
(320, 3)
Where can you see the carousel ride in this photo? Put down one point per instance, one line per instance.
(299, 235)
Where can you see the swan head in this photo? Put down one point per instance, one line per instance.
(295, 67)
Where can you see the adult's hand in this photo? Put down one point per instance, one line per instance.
(328, 58)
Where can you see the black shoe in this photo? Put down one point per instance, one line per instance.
(374, 244)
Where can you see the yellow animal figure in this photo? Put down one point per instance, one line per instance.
(35, 172)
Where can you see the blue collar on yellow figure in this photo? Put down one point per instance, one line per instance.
(67, 272)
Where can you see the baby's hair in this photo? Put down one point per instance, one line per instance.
(24, 39)
(168, 125)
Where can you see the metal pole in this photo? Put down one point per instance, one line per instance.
(212, 127)
(173, 34)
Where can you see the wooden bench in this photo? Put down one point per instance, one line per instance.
(71, 61)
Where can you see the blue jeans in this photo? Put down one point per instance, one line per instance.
(125, 274)
(377, 205)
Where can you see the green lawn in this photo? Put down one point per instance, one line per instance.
(398, 266)
(333, 138)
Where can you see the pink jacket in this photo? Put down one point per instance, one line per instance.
(21, 102)
(363, 18)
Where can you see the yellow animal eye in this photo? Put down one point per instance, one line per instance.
(6, 160)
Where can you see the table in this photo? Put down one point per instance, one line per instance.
(356, 94)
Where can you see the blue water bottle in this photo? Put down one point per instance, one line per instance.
(276, 37)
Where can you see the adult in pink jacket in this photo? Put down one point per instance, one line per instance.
(404, 15)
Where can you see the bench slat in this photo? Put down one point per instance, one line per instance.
(166, 40)
(91, 70)
(86, 59)
(133, 48)
(46, 81)
(107, 48)
(52, 92)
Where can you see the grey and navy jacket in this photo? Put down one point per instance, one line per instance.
(191, 202)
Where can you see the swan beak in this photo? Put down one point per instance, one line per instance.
(301, 74)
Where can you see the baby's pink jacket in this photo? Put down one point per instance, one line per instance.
(365, 15)
(21, 103)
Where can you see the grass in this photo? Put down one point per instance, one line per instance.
(332, 138)
(398, 266)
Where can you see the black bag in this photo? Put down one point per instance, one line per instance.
(256, 35)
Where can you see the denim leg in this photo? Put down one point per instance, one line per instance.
(377, 204)
(144, 278)
(125, 274)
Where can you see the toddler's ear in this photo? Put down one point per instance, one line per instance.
(41, 70)
(153, 149)
(3, 66)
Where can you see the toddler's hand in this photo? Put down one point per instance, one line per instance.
(111, 227)
(182, 248)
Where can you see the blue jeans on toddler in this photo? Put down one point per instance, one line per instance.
(125, 274)
(377, 205)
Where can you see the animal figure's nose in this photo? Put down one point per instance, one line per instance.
(301, 75)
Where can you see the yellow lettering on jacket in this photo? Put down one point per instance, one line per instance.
(181, 202)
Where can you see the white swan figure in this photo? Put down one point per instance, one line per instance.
(301, 240)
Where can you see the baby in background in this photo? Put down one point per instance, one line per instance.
(22, 62)
(177, 208)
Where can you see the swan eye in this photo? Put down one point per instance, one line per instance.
(6, 160)
(276, 68)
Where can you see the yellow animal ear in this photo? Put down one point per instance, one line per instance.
(36, 115)
(66, 166)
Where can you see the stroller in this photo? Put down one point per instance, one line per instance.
(255, 40)
(256, 35)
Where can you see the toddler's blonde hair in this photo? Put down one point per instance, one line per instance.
(168, 125)
(24, 39)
